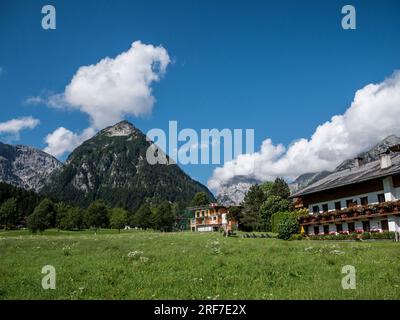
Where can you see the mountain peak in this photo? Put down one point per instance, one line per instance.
(120, 129)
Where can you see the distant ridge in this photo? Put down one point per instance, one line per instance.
(26, 167)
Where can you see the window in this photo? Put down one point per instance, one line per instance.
(351, 203)
(325, 207)
(326, 229)
(351, 227)
(364, 201)
(339, 228)
(338, 205)
(316, 230)
(315, 209)
(381, 197)
(366, 226)
(305, 229)
(385, 225)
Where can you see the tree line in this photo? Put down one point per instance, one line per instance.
(21, 208)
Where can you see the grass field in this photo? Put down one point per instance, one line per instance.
(150, 265)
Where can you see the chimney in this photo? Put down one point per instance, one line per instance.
(358, 162)
(385, 160)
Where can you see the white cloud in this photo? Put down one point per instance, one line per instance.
(63, 140)
(14, 126)
(107, 92)
(114, 87)
(373, 115)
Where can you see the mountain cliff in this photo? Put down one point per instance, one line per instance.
(26, 167)
(112, 166)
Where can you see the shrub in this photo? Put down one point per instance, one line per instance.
(288, 226)
(278, 217)
(366, 235)
(354, 236)
(296, 236)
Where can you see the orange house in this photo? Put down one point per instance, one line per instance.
(211, 218)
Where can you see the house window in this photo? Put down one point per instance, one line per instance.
(339, 228)
(351, 203)
(325, 207)
(351, 227)
(315, 209)
(366, 226)
(338, 205)
(364, 201)
(326, 229)
(381, 197)
(305, 229)
(316, 230)
(385, 225)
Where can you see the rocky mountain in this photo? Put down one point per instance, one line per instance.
(26, 167)
(112, 166)
(372, 154)
(233, 191)
(306, 179)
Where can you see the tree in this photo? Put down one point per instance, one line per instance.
(200, 199)
(251, 217)
(43, 217)
(163, 217)
(267, 188)
(235, 213)
(142, 217)
(9, 213)
(272, 205)
(97, 215)
(280, 188)
(72, 218)
(118, 218)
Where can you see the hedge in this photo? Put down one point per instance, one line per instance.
(354, 236)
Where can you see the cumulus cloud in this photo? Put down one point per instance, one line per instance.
(107, 92)
(114, 87)
(14, 126)
(63, 140)
(373, 115)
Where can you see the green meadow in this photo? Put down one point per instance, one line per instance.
(153, 265)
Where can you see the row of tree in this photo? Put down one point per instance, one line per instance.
(98, 215)
(260, 203)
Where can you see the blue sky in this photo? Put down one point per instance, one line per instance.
(280, 67)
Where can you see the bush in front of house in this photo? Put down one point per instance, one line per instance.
(287, 227)
(296, 236)
(389, 235)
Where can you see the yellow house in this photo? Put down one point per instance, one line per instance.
(210, 218)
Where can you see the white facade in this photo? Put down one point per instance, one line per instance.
(375, 224)
(391, 223)
(372, 199)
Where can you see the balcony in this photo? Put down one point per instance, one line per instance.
(353, 213)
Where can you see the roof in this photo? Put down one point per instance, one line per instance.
(368, 171)
(204, 207)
